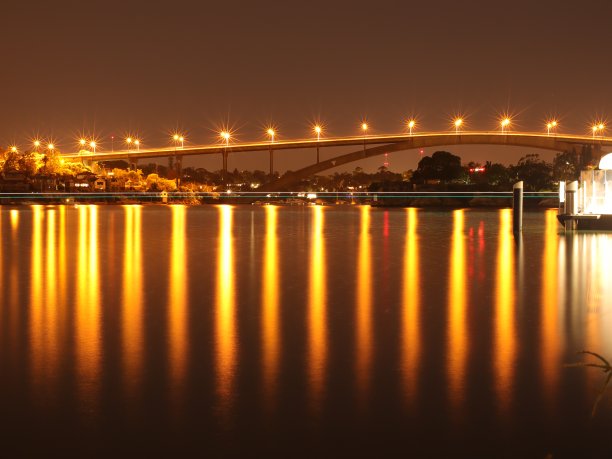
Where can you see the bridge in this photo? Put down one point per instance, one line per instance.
(368, 146)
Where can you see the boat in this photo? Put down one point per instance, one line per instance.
(586, 204)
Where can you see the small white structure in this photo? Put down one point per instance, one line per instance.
(595, 193)
(587, 204)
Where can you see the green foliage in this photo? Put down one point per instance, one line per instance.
(157, 183)
(442, 165)
(534, 172)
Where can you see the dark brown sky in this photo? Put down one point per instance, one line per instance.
(148, 67)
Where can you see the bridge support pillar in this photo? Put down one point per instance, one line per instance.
(271, 163)
(179, 170)
(133, 163)
(224, 172)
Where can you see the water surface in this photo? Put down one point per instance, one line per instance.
(320, 330)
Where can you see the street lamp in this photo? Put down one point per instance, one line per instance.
(82, 142)
(14, 149)
(411, 125)
(36, 144)
(364, 128)
(129, 142)
(137, 143)
(50, 147)
(551, 126)
(226, 136)
(504, 124)
(458, 123)
(93, 145)
(179, 138)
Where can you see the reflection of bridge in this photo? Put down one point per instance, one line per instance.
(370, 145)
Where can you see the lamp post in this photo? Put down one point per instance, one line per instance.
(36, 145)
(137, 143)
(504, 124)
(458, 122)
(364, 128)
(411, 125)
(93, 145)
(128, 141)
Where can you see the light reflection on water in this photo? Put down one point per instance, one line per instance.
(316, 313)
(317, 309)
(457, 350)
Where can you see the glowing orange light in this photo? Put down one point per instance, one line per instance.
(364, 126)
(175, 137)
(82, 142)
(458, 122)
(51, 146)
(14, 149)
(36, 143)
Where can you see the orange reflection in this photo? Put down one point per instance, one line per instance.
(177, 298)
(411, 305)
(457, 301)
(550, 346)
(317, 309)
(225, 310)
(37, 326)
(61, 257)
(270, 304)
(132, 297)
(14, 213)
(88, 346)
(505, 341)
(364, 306)
(50, 321)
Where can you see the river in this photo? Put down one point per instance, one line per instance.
(289, 331)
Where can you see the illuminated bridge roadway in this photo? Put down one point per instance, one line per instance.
(368, 146)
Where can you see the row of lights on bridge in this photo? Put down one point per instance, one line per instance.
(225, 135)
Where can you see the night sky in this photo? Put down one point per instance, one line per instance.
(148, 68)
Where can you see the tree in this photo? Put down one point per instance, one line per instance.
(157, 183)
(536, 173)
(442, 165)
(566, 166)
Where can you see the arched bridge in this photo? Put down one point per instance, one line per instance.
(371, 145)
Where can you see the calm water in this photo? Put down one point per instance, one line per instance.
(294, 331)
